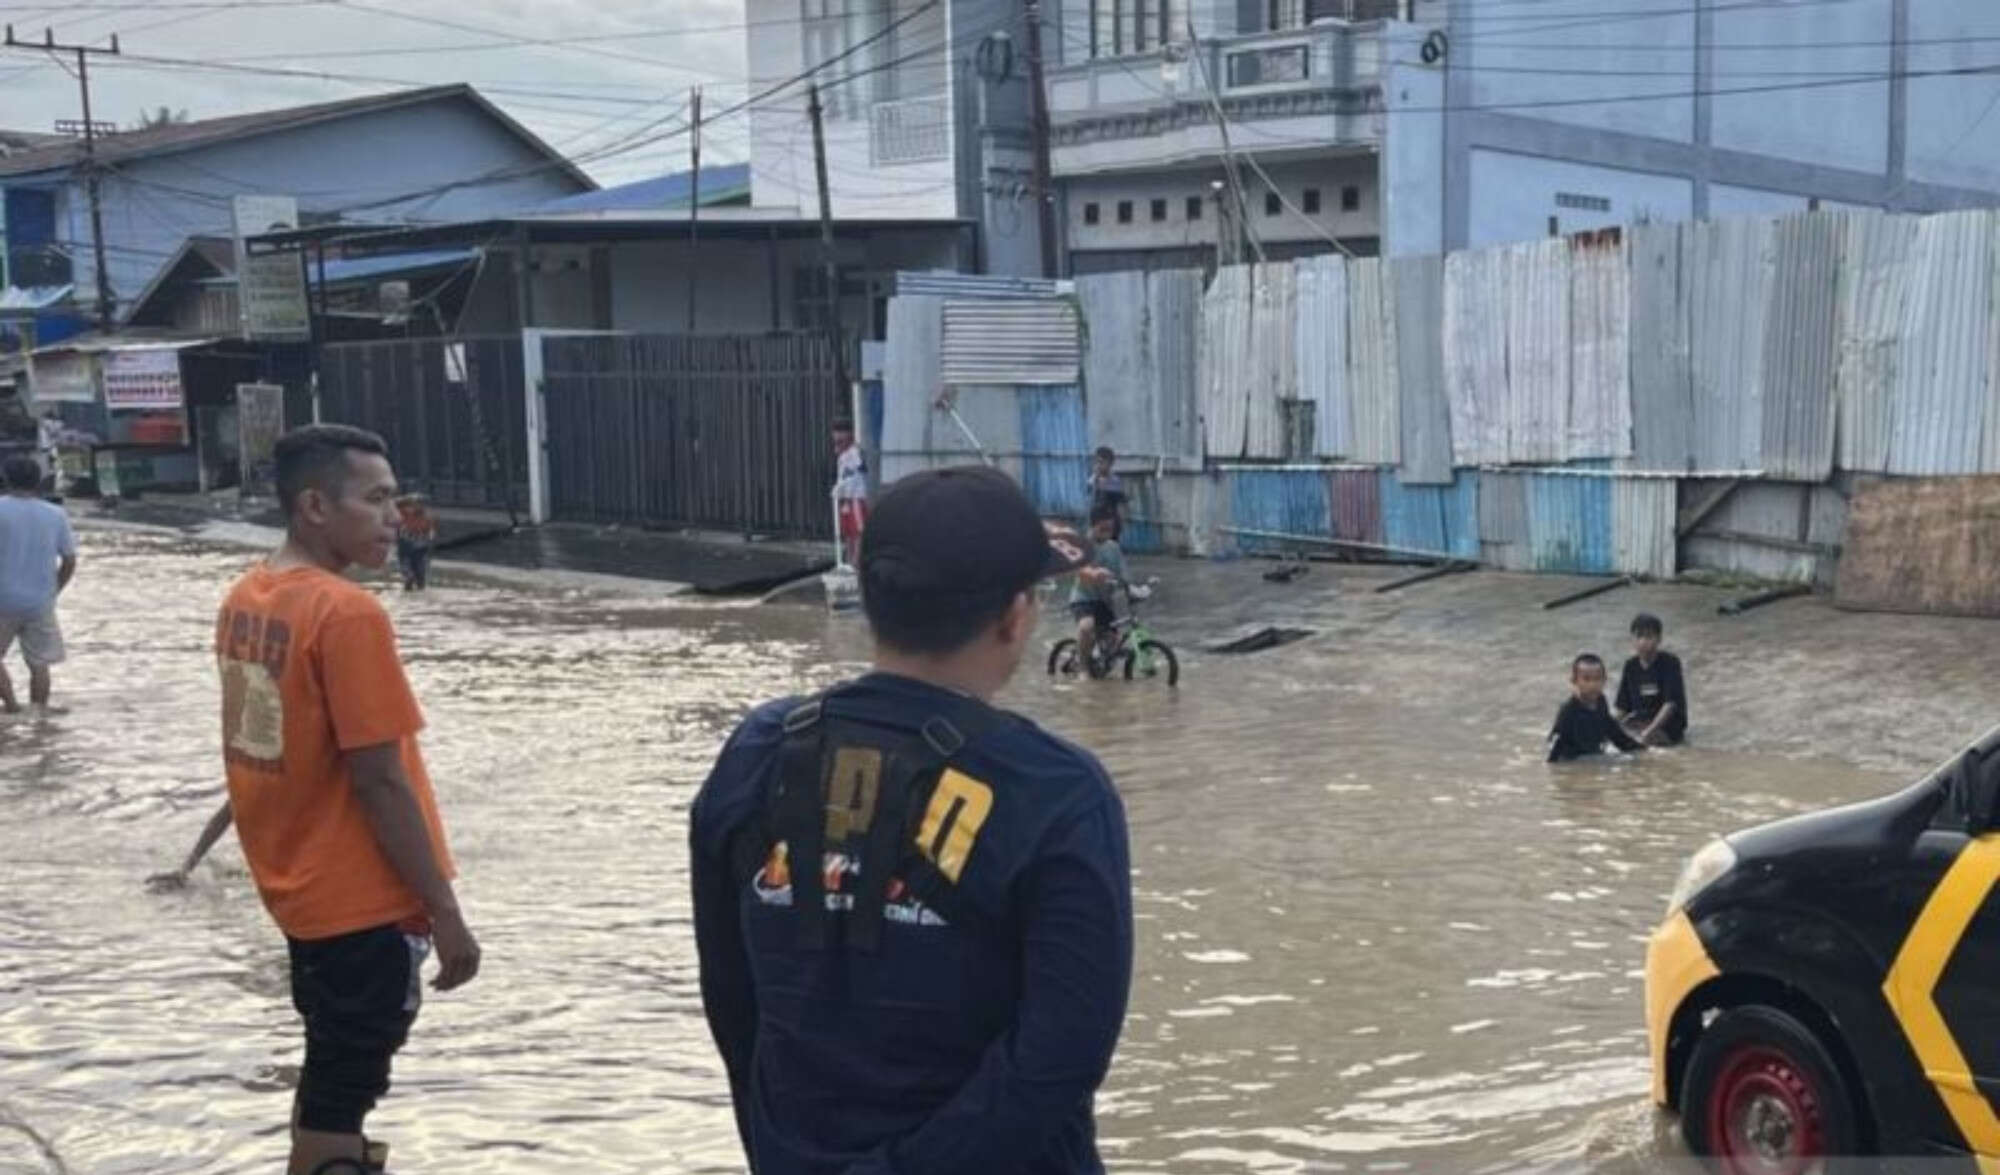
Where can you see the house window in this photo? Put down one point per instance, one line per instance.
(1194, 204)
(1119, 27)
(1124, 212)
(858, 33)
(1273, 204)
(1159, 210)
(1583, 203)
(1311, 201)
(1090, 213)
(1350, 199)
(1269, 67)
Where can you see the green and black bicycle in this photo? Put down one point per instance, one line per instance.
(1129, 646)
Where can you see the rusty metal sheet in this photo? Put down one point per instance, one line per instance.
(1925, 545)
(1600, 306)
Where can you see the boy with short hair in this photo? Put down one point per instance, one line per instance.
(1097, 584)
(1584, 724)
(850, 490)
(329, 793)
(1107, 490)
(1652, 700)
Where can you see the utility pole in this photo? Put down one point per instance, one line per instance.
(694, 208)
(833, 323)
(90, 177)
(1038, 118)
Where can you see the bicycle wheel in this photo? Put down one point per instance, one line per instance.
(1062, 658)
(1161, 660)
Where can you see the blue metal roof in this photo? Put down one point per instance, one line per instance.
(362, 268)
(666, 191)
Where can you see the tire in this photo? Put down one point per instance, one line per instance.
(1062, 658)
(1763, 1095)
(1165, 664)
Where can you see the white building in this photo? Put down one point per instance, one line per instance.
(1413, 126)
(926, 117)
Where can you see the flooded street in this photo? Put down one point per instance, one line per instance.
(1375, 930)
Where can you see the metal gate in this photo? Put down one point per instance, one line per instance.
(452, 410)
(724, 431)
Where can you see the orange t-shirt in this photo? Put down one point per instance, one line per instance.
(310, 672)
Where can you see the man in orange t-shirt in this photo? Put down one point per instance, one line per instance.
(328, 789)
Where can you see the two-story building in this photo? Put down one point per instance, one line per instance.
(925, 114)
(1183, 128)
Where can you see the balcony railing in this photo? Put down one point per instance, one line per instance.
(914, 130)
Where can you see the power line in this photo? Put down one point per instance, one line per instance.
(647, 138)
(520, 41)
(645, 34)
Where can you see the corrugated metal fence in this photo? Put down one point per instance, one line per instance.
(1773, 349)
(719, 431)
(452, 410)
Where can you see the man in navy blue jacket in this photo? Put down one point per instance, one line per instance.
(914, 910)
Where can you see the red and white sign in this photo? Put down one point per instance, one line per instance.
(142, 379)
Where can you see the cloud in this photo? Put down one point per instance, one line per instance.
(578, 98)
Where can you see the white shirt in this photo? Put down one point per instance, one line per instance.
(851, 480)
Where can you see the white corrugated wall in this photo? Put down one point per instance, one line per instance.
(1938, 419)
(1225, 363)
(1538, 351)
(1475, 355)
(1372, 382)
(1320, 339)
(1600, 398)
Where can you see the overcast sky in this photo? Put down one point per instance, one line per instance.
(629, 64)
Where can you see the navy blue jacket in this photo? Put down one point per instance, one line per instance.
(968, 1047)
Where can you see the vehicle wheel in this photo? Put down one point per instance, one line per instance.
(1764, 1097)
(1062, 658)
(1165, 664)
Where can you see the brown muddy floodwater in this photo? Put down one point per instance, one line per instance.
(1375, 931)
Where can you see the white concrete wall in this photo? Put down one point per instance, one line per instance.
(1833, 125)
(1176, 187)
(1729, 200)
(1513, 197)
(649, 287)
(1412, 160)
(1954, 124)
(1528, 61)
(781, 152)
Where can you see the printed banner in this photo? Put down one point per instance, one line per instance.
(260, 420)
(148, 379)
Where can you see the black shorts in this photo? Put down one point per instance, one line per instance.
(358, 994)
(1097, 610)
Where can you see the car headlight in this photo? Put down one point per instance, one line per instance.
(1703, 869)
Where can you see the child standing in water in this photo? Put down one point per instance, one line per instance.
(1584, 724)
(416, 532)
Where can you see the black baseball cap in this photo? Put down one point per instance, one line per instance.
(965, 530)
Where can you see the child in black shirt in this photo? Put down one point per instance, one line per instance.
(1652, 695)
(1584, 724)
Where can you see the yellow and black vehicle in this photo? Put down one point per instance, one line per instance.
(1830, 984)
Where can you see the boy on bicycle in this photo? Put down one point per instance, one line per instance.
(1096, 584)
